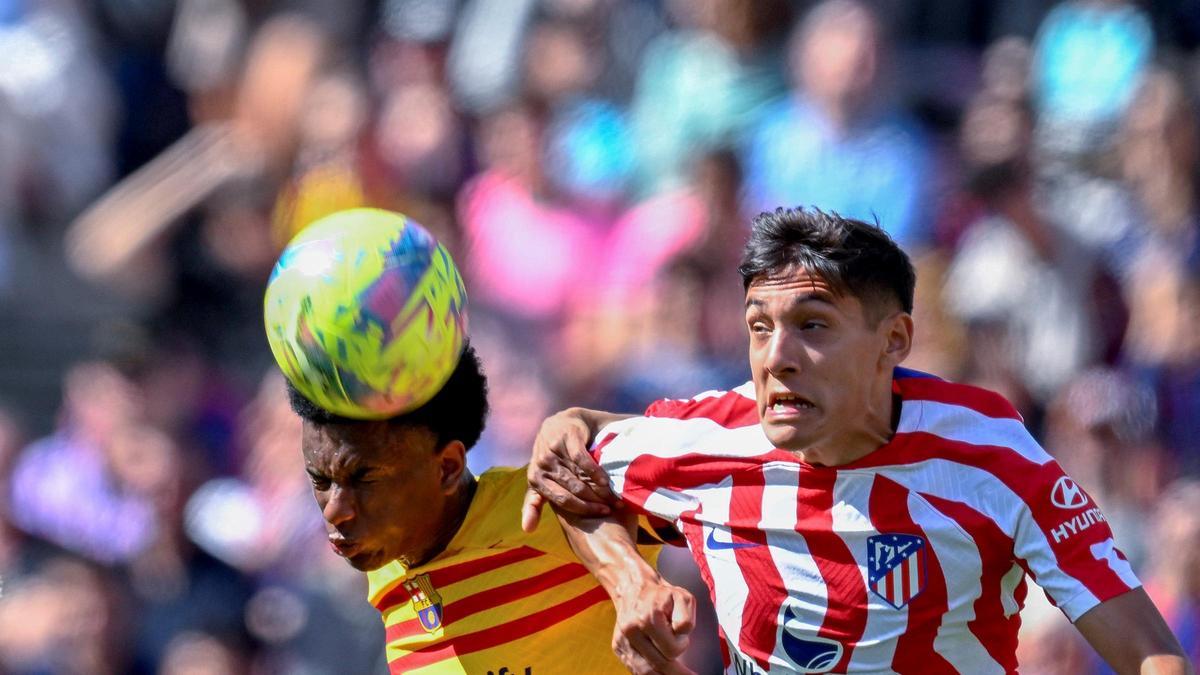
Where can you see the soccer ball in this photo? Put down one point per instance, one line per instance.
(366, 314)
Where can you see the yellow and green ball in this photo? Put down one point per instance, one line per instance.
(366, 314)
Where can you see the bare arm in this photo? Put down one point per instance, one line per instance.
(654, 617)
(1132, 637)
(562, 472)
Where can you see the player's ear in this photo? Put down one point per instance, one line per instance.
(452, 462)
(898, 334)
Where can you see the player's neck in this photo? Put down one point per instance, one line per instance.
(872, 431)
(453, 516)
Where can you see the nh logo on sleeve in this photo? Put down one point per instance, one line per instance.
(426, 602)
(896, 567)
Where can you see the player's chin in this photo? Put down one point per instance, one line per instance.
(787, 436)
(367, 561)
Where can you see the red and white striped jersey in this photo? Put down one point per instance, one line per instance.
(912, 559)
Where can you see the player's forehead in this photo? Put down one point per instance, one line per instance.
(333, 447)
(796, 286)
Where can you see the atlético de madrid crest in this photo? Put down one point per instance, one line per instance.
(896, 567)
(425, 601)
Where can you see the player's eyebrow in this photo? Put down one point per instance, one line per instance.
(821, 297)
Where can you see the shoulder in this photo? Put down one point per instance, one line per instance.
(913, 385)
(979, 424)
(732, 408)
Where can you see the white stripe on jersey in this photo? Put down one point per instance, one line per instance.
(668, 438)
(729, 586)
(959, 423)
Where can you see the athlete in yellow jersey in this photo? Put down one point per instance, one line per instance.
(462, 589)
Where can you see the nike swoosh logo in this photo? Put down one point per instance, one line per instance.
(717, 545)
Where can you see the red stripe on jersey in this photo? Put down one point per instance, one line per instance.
(767, 589)
(498, 635)
(915, 652)
(1032, 483)
(729, 409)
(455, 573)
(492, 597)
(845, 619)
(980, 400)
(996, 632)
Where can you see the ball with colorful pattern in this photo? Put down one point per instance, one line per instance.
(366, 314)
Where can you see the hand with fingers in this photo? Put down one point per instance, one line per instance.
(562, 472)
(654, 621)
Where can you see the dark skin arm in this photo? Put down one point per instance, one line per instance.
(654, 617)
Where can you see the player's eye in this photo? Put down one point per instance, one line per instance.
(319, 482)
(814, 325)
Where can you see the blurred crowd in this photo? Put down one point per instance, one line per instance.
(593, 166)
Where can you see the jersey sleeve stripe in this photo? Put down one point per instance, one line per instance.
(458, 572)
(915, 652)
(994, 629)
(844, 621)
(961, 423)
(498, 635)
(982, 401)
(493, 597)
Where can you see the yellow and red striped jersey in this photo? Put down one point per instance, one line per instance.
(497, 599)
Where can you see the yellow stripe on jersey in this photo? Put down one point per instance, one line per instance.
(497, 597)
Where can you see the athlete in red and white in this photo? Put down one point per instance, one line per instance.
(847, 515)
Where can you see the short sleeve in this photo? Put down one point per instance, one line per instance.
(1063, 540)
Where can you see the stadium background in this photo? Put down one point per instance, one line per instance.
(592, 165)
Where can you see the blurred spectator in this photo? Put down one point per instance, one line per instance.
(1015, 274)
(523, 244)
(703, 85)
(1088, 61)
(67, 487)
(574, 156)
(1173, 574)
(1100, 425)
(836, 141)
(66, 618)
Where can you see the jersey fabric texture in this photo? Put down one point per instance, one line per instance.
(497, 598)
(911, 559)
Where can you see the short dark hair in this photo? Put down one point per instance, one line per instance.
(458, 412)
(851, 256)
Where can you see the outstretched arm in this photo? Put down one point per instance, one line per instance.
(1132, 637)
(562, 472)
(654, 617)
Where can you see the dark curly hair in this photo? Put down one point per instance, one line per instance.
(851, 256)
(458, 412)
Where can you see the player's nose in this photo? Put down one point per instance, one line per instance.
(781, 357)
(340, 506)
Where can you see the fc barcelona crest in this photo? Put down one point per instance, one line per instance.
(896, 567)
(426, 602)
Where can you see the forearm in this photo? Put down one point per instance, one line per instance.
(607, 548)
(1132, 637)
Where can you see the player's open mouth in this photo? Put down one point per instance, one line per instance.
(783, 404)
